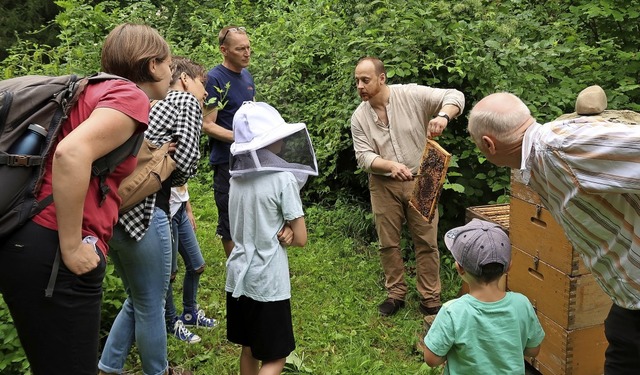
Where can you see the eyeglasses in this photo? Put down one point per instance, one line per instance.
(235, 30)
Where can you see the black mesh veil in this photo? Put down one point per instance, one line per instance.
(293, 153)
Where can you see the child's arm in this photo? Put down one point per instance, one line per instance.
(532, 352)
(432, 359)
(285, 236)
(192, 219)
(299, 229)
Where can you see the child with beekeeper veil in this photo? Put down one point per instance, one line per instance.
(271, 161)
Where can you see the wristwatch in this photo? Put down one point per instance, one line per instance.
(445, 115)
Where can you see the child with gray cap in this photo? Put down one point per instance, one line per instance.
(488, 330)
(271, 160)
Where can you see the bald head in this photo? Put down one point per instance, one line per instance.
(374, 62)
(498, 115)
(370, 78)
(501, 102)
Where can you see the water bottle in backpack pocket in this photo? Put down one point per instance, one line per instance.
(30, 143)
(18, 173)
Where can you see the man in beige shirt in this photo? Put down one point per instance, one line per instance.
(390, 129)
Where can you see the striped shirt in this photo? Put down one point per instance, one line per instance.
(587, 173)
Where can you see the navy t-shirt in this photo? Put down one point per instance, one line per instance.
(241, 89)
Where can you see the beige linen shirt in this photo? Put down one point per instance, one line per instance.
(409, 111)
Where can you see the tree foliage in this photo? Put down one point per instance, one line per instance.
(304, 53)
(26, 20)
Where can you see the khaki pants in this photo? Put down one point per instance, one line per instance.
(390, 204)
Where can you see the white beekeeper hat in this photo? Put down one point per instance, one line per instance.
(257, 128)
(257, 124)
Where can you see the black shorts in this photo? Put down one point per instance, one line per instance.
(221, 178)
(265, 327)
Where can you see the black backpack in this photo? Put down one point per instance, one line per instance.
(45, 101)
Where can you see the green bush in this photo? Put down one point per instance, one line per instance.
(305, 51)
(304, 55)
(12, 357)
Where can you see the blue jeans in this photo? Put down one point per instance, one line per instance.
(185, 243)
(144, 268)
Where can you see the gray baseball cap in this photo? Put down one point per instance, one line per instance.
(478, 243)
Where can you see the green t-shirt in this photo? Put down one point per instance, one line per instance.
(485, 337)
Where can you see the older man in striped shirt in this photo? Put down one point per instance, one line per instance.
(587, 173)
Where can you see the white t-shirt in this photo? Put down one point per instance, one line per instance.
(179, 195)
(259, 205)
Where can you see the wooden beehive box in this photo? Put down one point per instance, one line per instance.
(570, 301)
(496, 213)
(522, 191)
(570, 304)
(570, 352)
(535, 231)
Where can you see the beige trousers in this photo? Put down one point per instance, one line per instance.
(391, 209)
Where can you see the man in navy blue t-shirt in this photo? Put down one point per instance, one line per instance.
(231, 84)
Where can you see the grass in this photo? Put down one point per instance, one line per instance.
(337, 284)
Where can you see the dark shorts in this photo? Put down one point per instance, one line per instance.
(265, 327)
(221, 178)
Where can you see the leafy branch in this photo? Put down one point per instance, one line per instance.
(215, 104)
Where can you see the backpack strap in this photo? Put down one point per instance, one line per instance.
(20, 160)
(108, 163)
(102, 167)
(48, 292)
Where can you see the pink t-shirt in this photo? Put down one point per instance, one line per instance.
(99, 220)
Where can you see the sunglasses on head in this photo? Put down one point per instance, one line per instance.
(235, 30)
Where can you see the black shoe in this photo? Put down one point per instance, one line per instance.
(429, 310)
(390, 306)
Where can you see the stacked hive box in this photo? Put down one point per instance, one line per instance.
(568, 301)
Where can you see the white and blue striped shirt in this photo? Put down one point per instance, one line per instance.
(587, 173)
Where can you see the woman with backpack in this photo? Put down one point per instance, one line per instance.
(60, 332)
